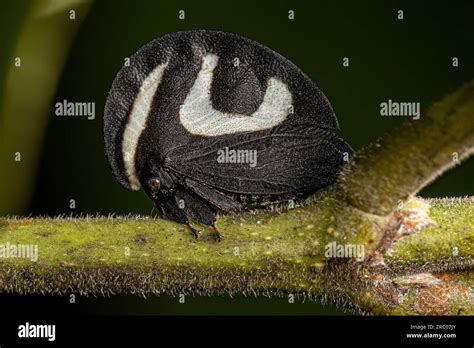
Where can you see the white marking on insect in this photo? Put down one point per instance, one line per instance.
(137, 122)
(199, 117)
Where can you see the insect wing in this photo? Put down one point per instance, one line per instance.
(285, 161)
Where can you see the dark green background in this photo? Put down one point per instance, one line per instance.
(408, 60)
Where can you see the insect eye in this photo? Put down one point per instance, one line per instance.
(154, 184)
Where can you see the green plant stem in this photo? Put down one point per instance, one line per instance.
(401, 163)
(418, 257)
(263, 253)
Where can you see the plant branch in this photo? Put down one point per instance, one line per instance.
(262, 253)
(417, 259)
(401, 163)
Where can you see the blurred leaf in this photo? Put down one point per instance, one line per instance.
(31, 80)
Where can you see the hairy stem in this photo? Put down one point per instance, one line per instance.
(267, 253)
(415, 258)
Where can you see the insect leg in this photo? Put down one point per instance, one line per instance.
(219, 237)
(195, 207)
(170, 209)
(219, 200)
(196, 233)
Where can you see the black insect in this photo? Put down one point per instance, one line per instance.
(207, 121)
